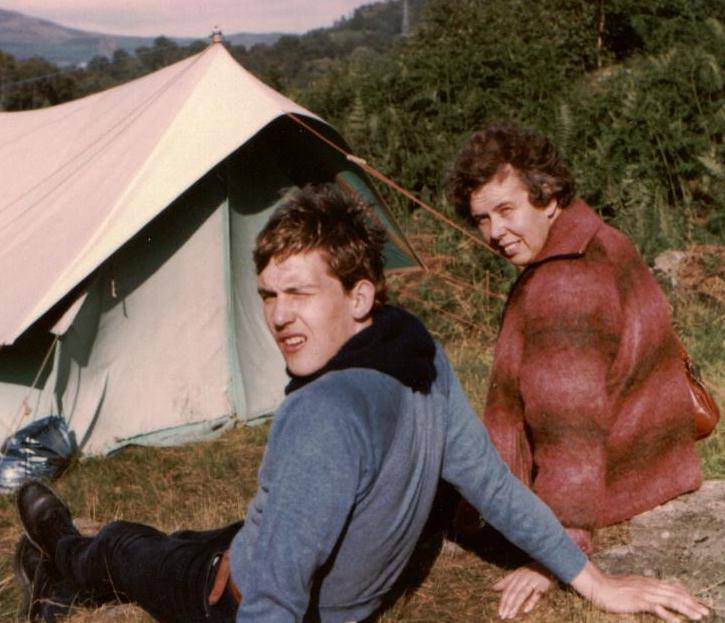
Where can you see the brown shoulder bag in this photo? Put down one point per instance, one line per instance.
(707, 413)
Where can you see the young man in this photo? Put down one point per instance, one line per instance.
(373, 419)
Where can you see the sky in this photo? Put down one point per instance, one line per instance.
(187, 18)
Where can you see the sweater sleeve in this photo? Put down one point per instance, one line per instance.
(314, 467)
(474, 467)
(570, 335)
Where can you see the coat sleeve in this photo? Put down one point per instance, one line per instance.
(571, 319)
(504, 412)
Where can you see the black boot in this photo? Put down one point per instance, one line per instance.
(45, 596)
(45, 518)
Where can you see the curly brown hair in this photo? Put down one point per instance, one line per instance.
(534, 158)
(324, 218)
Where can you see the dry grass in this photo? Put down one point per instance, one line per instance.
(208, 484)
(201, 485)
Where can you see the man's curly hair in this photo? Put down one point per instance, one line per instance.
(534, 158)
(326, 219)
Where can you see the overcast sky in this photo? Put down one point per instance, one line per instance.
(186, 18)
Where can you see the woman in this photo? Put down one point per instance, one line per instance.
(588, 400)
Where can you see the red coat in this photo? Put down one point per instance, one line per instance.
(588, 400)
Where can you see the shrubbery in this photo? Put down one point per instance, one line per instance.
(631, 90)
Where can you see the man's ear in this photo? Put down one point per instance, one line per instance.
(362, 296)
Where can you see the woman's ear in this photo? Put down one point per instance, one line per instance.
(547, 191)
(362, 296)
(552, 209)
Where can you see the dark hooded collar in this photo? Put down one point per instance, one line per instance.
(396, 344)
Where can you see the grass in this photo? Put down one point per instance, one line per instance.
(208, 484)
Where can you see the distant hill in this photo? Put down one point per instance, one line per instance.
(248, 39)
(25, 37)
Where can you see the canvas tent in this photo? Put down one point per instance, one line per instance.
(127, 220)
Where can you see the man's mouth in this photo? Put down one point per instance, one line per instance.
(292, 343)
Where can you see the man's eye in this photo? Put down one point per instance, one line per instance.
(296, 295)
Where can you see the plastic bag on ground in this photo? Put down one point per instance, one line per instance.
(41, 450)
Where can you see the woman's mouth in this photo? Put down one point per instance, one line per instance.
(510, 248)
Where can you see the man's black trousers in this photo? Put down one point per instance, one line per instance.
(169, 576)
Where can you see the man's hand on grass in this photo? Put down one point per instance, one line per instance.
(522, 588)
(632, 593)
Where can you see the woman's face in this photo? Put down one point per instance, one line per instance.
(508, 221)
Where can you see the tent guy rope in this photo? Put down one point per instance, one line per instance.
(363, 164)
(368, 168)
(24, 409)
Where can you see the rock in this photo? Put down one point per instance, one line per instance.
(698, 269)
(668, 263)
(683, 540)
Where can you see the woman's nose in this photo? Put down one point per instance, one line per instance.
(496, 228)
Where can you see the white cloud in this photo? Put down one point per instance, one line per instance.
(191, 18)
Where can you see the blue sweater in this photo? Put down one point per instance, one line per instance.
(351, 468)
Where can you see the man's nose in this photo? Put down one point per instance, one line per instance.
(282, 313)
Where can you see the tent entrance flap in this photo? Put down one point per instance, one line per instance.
(255, 183)
(153, 330)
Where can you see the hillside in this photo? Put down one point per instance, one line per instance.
(25, 37)
(92, 61)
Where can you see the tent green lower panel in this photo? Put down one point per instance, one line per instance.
(166, 342)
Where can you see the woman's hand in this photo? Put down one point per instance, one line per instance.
(523, 587)
(632, 593)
